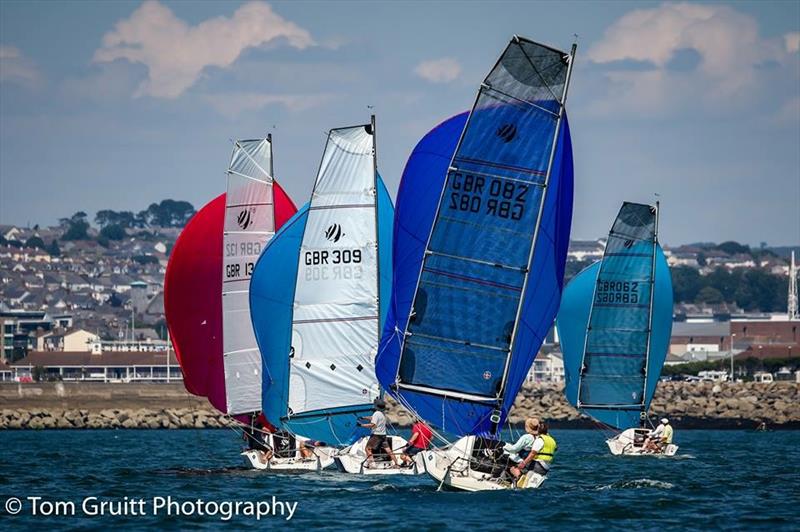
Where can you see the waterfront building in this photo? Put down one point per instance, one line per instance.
(111, 366)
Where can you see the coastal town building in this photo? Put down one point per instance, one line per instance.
(113, 366)
(547, 367)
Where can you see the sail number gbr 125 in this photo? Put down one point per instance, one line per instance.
(491, 196)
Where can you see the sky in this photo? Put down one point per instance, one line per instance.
(116, 105)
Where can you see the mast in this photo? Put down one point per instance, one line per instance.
(563, 102)
(377, 230)
(643, 414)
(793, 312)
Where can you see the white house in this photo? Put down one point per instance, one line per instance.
(547, 368)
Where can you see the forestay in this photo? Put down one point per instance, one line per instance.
(318, 313)
(249, 224)
(488, 282)
(616, 320)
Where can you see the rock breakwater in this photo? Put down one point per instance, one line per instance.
(142, 418)
(687, 404)
(152, 406)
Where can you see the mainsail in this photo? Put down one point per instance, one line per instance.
(317, 296)
(193, 296)
(615, 322)
(477, 285)
(249, 224)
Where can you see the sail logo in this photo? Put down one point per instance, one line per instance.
(507, 132)
(334, 233)
(245, 218)
(628, 244)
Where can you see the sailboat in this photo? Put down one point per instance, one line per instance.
(614, 327)
(193, 284)
(479, 260)
(318, 298)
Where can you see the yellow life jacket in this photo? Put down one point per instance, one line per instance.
(548, 450)
(666, 436)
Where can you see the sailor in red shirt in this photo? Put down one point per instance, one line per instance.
(420, 440)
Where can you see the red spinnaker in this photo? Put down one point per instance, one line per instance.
(193, 296)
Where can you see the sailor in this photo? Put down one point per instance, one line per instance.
(660, 437)
(378, 440)
(254, 435)
(524, 444)
(540, 456)
(307, 448)
(421, 436)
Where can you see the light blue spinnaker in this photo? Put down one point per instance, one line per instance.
(615, 322)
(319, 296)
(479, 270)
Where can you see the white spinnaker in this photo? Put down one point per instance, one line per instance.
(249, 224)
(335, 332)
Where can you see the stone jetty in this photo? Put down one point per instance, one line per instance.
(687, 404)
(169, 406)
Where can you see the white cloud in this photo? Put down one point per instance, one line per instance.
(792, 41)
(442, 70)
(788, 114)
(176, 53)
(18, 69)
(731, 57)
(234, 104)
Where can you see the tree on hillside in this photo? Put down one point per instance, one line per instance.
(686, 282)
(168, 213)
(145, 259)
(710, 295)
(75, 227)
(35, 242)
(107, 217)
(732, 248)
(53, 249)
(113, 232)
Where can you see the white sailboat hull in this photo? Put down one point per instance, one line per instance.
(452, 468)
(323, 458)
(318, 463)
(630, 442)
(353, 460)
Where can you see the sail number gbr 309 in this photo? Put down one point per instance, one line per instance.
(332, 264)
(492, 196)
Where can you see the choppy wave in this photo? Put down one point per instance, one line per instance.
(637, 484)
(587, 485)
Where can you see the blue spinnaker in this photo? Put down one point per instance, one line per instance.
(614, 337)
(464, 233)
(273, 306)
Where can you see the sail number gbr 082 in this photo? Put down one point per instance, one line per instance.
(491, 196)
(617, 292)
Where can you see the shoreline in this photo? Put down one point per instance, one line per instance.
(58, 405)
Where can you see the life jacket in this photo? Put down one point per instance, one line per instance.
(666, 436)
(548, 450)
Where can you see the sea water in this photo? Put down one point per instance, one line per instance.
(143, 479)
